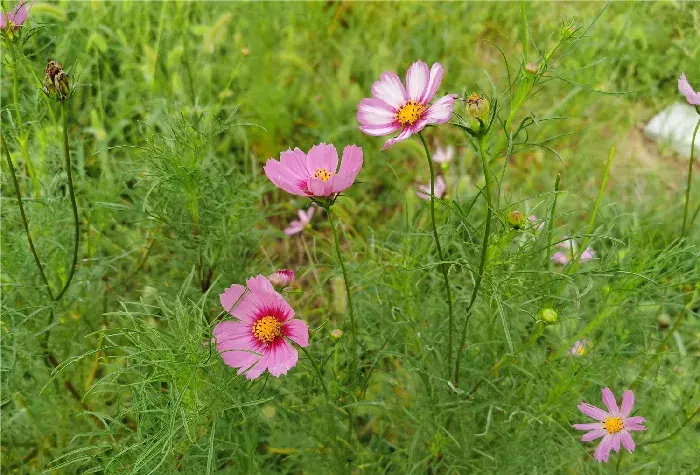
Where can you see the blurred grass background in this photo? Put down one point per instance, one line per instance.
(279, 75)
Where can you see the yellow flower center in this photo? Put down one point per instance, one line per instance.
(613, 425)
(581, 349)
(267, 329)
(323, 174)
(410, 113)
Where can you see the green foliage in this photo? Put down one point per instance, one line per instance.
(176, 107)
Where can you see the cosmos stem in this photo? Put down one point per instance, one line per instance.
(442, 266)
(690, 180)
(353, 362)
(484, 252)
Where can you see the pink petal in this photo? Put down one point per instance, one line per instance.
(635, 428)
(593, 412)
(440, 186)
(593, 435)
(249, 306)
(295, 163)
(587, 255)
(684, 87)
(390, 90)
(417, 78)
(3, 21)
(310, 213)
(19, 15)
(376, 117)
(627, 404)
(560, 258)
(633, 421)
(294, 228)
(610, 403)
(627, 441)
(349, 168)
(282, 358)
(602, 452)
(322, 156)
(259, 368)
(405, 133)
(423, 192)
(283, 178)
(436, 73)
(616, 438)
(321, 188)
(590, 426)
(297, 331)
(441, 110)
(260, 284)
(230, 296)
(230, 329)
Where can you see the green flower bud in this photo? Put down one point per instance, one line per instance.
(477, 111)
(549, 316)
(516, 219)
(531, 68)
(336, 334)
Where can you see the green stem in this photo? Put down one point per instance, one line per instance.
(484, 252)
(353, 362)
(25, 223)
(550, 223)
(663, 439)
(690, 179)
(442, 266)
(71, 191)
(318, 372)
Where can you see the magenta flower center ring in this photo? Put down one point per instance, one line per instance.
(613, 425)
(267, 329)
(410, 113)
(323, 174)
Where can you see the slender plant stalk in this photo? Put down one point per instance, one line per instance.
(591, 221)
(74, 206)
(25, 223)
(550, 222)
(318, 372)
(442, 266)
(690, 179)
(484, 251)
(680, 428)
(353, 362)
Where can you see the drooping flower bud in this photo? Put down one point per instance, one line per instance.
(549, 316)
(56, 81)
(477, 112)
(281, 278)
(516, 219)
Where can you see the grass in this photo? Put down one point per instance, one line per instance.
(175, 110)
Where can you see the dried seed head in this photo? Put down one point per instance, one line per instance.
(56, 81)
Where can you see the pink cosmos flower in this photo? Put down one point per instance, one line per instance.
(395, 107)
(691, 96)
(614, 426)
(281, 278)
(444, 155)
(579, 347)
(424, 190)
(259, 340)
(15, 18)
(316, 173)
(298, 225)
(571, 247)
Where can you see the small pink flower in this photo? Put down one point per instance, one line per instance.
(579, 347)
(393, 106)
(534, 221)
(691, 96)
(444, 155)
(424, 190)
(259, 340)
(571, 247)
(614, 426)
(316, 173)
(298, 225)
(281, 278)
(16, 18)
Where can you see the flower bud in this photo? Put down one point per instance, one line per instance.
(477, 111)
(549, 316)
(532, 68)
(336, 334)
(516, 219)
(281, 278)
(56, 81)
